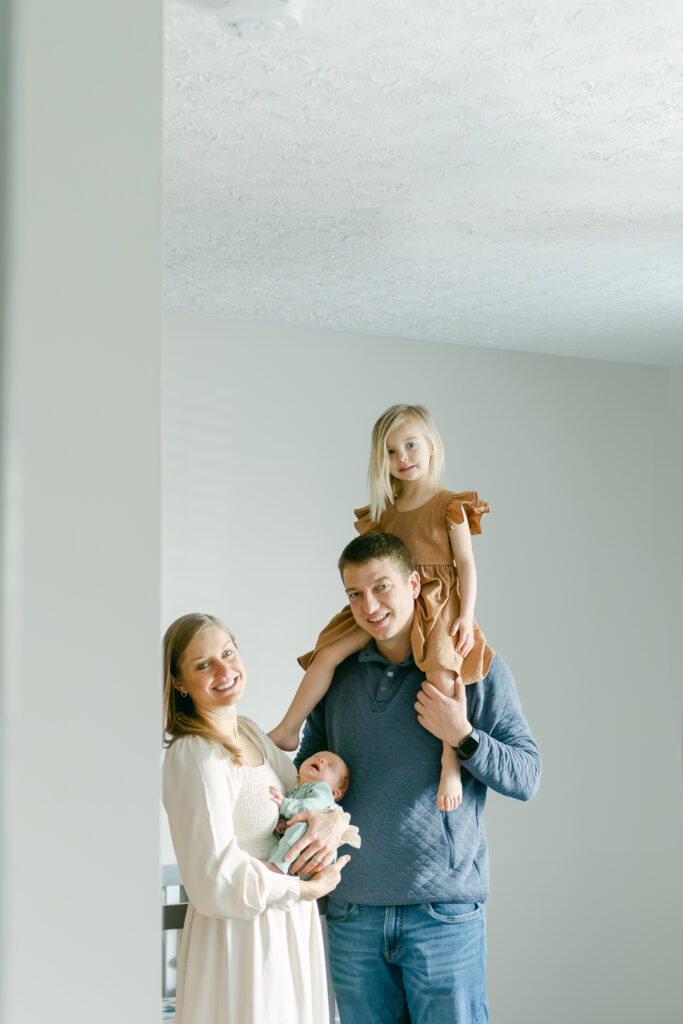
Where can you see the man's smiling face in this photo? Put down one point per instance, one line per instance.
(382, 601)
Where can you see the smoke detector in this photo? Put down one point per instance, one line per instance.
(262, 19)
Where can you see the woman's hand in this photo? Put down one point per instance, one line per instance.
(325, 881)
(464, 625)
(313, 851)
(276, 796)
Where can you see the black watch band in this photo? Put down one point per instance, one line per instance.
(468, 745)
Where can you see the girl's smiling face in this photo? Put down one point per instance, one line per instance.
(409, 452)
(212, 671)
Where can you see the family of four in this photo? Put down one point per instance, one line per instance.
(409, 717)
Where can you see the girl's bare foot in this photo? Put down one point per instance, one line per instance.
(449, 794)
(284, 738)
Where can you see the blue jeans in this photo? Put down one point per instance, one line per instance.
(422, 964)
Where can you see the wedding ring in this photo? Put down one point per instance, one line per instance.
(317, 859)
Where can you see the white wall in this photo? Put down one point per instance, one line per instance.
(266, 438)
(80, 488)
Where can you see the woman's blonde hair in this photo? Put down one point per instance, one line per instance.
(384, 488)
(180, 715)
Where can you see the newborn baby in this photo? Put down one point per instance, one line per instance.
(322, 779)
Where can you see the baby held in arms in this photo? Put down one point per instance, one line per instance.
(323, 779)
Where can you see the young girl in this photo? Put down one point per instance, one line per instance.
(408, 500)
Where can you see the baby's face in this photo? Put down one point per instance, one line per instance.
(323, 767)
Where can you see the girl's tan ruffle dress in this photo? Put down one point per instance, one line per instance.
(425, 531)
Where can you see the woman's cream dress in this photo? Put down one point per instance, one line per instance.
(250, 951)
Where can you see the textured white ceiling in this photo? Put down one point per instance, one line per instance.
(505, 174)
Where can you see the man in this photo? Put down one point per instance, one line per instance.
(407, 922)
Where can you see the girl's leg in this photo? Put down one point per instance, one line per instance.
(449, 795)
(314, 686)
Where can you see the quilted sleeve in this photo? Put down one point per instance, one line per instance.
(507, 758)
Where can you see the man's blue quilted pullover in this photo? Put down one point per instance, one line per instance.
(411, 852)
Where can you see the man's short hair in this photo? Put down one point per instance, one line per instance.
(377, 545)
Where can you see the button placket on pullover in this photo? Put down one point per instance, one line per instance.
(384, 679)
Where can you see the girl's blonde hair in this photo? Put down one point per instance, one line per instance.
(180, 715)
(384, 488)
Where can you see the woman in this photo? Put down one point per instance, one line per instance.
(251, 950)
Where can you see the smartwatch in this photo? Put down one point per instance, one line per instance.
(467, 746)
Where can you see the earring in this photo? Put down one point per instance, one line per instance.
(183, 693)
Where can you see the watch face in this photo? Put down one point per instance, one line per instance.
(468, 745)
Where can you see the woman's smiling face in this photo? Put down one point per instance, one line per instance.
(212, 671)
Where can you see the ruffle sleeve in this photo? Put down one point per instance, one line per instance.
(364, 523)
(466, 503)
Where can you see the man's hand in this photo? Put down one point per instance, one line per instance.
(445, 717)
(323, 836)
